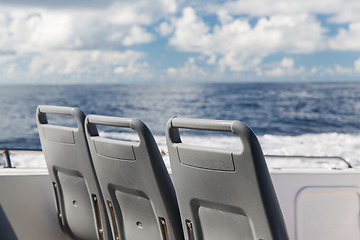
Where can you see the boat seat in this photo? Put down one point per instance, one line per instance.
(136, 186)
(223, 194)
(80, 206)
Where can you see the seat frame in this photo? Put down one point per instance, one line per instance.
(135, 183)
(78, 196)
(223, 194)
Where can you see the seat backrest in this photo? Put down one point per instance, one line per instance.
(79, 200)
(223, 194)
(135, 183)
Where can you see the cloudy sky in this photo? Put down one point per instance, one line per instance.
(125, 41)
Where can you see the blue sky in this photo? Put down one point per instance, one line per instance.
(109, 41)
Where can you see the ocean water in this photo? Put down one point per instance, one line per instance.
(311, 119)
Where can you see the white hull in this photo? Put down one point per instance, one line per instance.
(328, 209)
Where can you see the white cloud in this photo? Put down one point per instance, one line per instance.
(121, 23)
(133, 68)
(287, 63)
(137, 35)
(212, 59)
(224, 17)
(88, 62)
(346, 12)
(357, 65)
(327, 71)
(285, 68)
(191, 32)
(276, 72)
(314, 70)
(86, 65)
(339, 10)
(140, 12)
(343, 70)
(239, 46)
(7, 58)
(65, 4)
(71, 42)
(281, 26)
(165, 29)
(339, 70)
(347, 39)
(190, 71)
(74, 38)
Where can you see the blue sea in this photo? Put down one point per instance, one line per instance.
(319, 119)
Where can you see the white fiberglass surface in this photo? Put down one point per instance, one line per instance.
(328, 213)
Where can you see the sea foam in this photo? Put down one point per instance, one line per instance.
(346, 146)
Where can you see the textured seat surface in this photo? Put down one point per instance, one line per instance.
(137, 189)
(223, 194)
(79, 200)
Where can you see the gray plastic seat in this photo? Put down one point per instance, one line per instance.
(135, 183)
(78, 197)
(223, 194)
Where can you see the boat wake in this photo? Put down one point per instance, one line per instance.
(346, 146)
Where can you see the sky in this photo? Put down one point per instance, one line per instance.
(141, 41)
